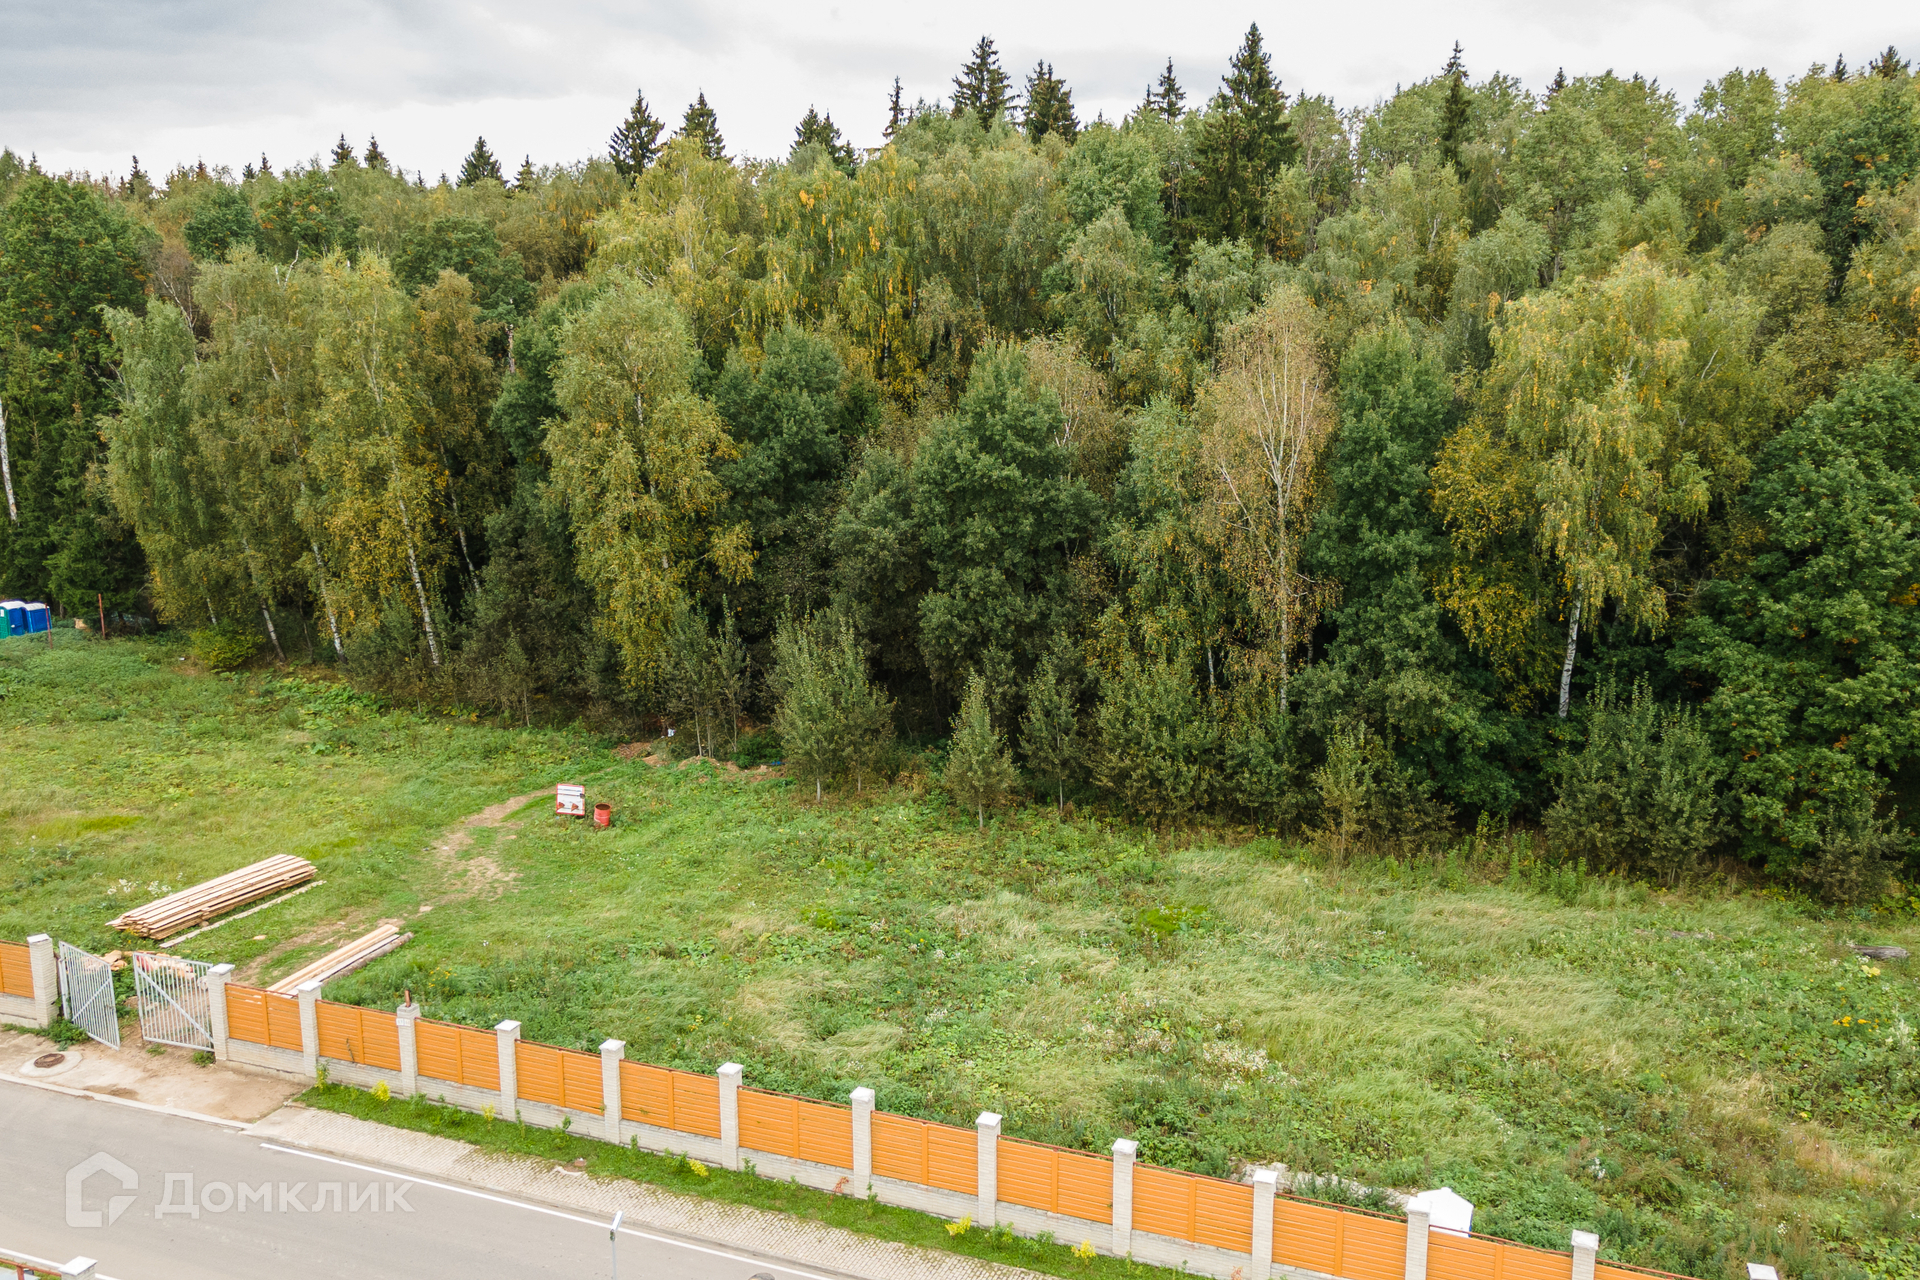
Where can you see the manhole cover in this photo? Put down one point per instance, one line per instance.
(46, 1060)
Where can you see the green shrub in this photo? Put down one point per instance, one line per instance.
(225, 646)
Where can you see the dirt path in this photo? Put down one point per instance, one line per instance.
(480, 873)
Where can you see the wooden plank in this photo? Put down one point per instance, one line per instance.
(580, 1080)
(1305, 1235)
(696, 1104)
(1086, 1186)
(646, 1094)
(1376, 1248)
(437, 1047)
(1452, 1257)
(953, 1158)
(1163, 1202)
(769, 1122)
(283, 1022)
(1223, 1216)
(826, 1133)
(247, 1014)
(1523, 1262)
(479, 1059)
(537, 1067)
(202, 902)
(1029, 1175)
(899, 1147)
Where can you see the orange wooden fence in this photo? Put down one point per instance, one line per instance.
(558, 1077)
(16, 970)
(933, 1155)
(457, 1054)
(678, 1100)
(796, 1127)
(1056, 1180)
(261, 1017)
(1189, 1207)
(349, 1033)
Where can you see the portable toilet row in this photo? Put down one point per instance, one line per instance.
(24, 619)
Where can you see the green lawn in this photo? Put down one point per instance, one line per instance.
(1702, 1077)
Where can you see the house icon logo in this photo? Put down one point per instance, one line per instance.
(78, 1215)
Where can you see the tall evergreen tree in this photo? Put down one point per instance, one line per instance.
(375, 157)
(1889, 65)
(636, 142)
(816, 129)
(342, 152)
(1558, 83)
(526, 178)
(1049, 105)
(1245, 141)
(703, 126)
(479, 164)
(1455, 111)
(1166, 98)
(979, 772)
(896, 111)
(982, 88)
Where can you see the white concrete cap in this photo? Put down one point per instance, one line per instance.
(1761, 1271)
(1445, 1210)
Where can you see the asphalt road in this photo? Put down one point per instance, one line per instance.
(376, 1224)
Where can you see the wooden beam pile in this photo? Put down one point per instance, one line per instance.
(201, 903)
(343, 959)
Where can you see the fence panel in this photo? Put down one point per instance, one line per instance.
(769, 1122)
(1452, 1257)
(826, 1133)
(16, 970)
(1375, 1248)
(580, 1080)
(1163, 1202)
(953, 1158)
(1223, 1216)
(1307, 1236)
(1086, 1186)
(458, 1055)
(283, 1021)
(899, 1148)
(1029, 1175)
(696, 1104)
(246, 1014)
(349, 1033)
(537, 1067)
(646, 1094)
(1525, 1263)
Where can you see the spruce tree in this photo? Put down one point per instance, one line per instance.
(816, 129)
(636, 142)
(1454, 112)
(703, 127)
(896, 111)
(1050, 735)
(479, 164)
(1049, 105)
(526, 178)
(1167, 98)
(1888, 66)
(981, 87)
(1245, 141)
(375, 157)
(266, 170)
(1559, 83)
(342, 153)
(1839, 68)
(979, 772)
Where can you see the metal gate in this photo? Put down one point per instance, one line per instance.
(172, 998)
(86, 994)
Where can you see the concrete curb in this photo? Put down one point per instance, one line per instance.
(177, 1112)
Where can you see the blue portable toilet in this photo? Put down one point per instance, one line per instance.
(38, 618)
(16, 611)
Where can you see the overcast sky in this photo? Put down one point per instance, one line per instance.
(88, 83)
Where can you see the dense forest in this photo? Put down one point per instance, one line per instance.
(1476, 456)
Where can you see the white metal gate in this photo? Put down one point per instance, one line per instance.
(86, 994)
(173, 1001)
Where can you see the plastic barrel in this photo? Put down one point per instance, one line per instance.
(603, 815)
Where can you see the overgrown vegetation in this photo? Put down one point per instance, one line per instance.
(1703, 1074)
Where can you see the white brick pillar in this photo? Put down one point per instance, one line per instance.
(406, 1026)
(507, 1035)
(1124, 1152)
(1761, 1271)
(611, 1054)
(309, 996)
(1586, 1247)
(729, 1077)
(1419, 1224)
(987, 1131)
(216, 984)
(1265, 1183)
(79, 1269)
(45, 967)
(862, 1140)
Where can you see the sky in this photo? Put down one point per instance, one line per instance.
(88, 84)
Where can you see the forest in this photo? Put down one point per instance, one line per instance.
(1477, 457)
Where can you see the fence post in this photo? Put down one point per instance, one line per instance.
(1761, 1271)
(79, 1269)
(1586, 1247)
(309, 995)
(505, 1035)
(611, 1052)
(46, 978)
(1418, 1223)
(862, 1140)
(987, 1131)
(216, 984)
(1124, 1151)
(729, 1076)
(406, 1026)
(1265, 1183)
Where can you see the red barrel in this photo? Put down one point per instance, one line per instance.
(603, 815)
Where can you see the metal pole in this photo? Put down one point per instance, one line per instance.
(613, 1238)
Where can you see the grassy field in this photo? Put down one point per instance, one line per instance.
(1701, 1077)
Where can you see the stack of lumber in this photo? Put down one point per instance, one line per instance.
(344, 959)
(189, 907)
